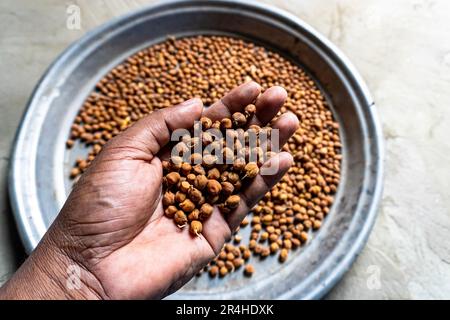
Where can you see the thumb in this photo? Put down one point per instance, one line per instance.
(150, 134)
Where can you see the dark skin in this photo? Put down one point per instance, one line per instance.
(112, 226)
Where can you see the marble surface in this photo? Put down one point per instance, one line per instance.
(400, 47)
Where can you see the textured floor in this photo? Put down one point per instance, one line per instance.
(401, 48)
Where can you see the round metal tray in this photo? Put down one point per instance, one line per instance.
(40, 163)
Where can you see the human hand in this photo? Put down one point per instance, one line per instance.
(112, 226)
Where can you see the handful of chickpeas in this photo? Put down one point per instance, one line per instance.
(210, 169)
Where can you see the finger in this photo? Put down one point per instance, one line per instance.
(216, 230)
(278, 165)
(234, 101)
(282, 129)
(268, 105)
(153, 132)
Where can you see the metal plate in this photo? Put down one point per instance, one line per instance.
(40, 163)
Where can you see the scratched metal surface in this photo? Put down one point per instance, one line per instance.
(40, 163)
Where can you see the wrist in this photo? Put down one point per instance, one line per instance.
(50, 273)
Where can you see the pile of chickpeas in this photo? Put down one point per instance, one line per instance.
(208, 67)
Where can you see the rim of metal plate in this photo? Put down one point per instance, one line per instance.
(22, 183)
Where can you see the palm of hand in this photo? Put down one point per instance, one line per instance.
(134, 242)
(113, 220)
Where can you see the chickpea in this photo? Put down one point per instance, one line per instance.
(249, 270)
